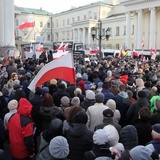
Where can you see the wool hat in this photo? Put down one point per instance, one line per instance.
(59, 147)
(111, 104)
(113, 135)
(140, 153)
(103, 158)
(5, 92)
(77, 91)
(4, 73)
(142, 94)
(45, 90)
(17, 86)
(61, 86)
(85, 76)
(100, 137)
(109, 73)
(99, 97)
(90, 95)
(139, 82)
(28, 74)
(38, 91)
(81, 117)
(65, 101)
(156, 127)
(108, 113)
(13, 104)
(53, 82)
(100, 84)
(75, 101)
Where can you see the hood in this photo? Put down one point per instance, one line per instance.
(24, 107)
(123, 94)
(77, 129)
(143, 102)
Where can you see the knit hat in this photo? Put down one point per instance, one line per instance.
(17, 86)
(77, 91)
(59, 147)
(111, 104)
(13, 104)
(61, 86)
(53, 82)
(38, 91)
(85, 76)
(112, 133)
(100, 137)
(156, 127)
(139, 82)
(100, 84)
(4, 73)
(65, 101)
(109, 73)
(103, 158)
(81, 117)
(108, 113)
(5, 92)
(90, 95)
(99, 97)
(75, 101)
(140, 153)
(45, 90)
(28, 74)
(142, 94)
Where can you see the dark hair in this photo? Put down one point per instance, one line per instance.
(47, 100)
(144, 114)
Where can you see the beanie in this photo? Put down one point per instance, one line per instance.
(75, 101)
(38, 91)
(81, 117)
(100, 137)
(90, 95)
(13, 104)
(111, 104)
(103, 158)
(85, 76)
(142, 94)
(65, 101)
(53, 82)
(59, 147)
(156, 128)
(45, 90)
(77, 91)
(109, 73)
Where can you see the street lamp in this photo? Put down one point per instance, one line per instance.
(101, 36)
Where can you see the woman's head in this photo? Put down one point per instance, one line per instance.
(47, 100)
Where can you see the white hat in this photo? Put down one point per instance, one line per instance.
(90, 95)
(13, 104)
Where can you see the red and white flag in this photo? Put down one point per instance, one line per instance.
(66, 47)
(142, 42)
(94, 50)
(26, 24)
(151, 52)
(135, 53)
(61, 68)
(120, 53)
(61, 47)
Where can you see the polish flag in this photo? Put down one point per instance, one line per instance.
(135, 54)
(61, 47)
(120, 53)
(155, 49)
(62, 68)
(151, 52)
(26, 24)
(94, 50)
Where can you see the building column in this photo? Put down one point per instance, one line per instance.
(146, 29)
(89, 37)
(84, 37)
(78, 35)
(74, 35)
(135, 30)
(9, 34)
(158, 31)
(139, 36)
(2, 23)
(152, 28)
(128, 29)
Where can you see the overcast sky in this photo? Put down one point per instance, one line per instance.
(54, 6)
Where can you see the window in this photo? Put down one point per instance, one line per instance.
(67, 35)
(90, 15)
(48, 25)
(117, 31)
(95, 15)
(72, 20)
(117, 46)
(41, 24)
(48, 37)
(124, 30)
(132, 29)
(78, 18)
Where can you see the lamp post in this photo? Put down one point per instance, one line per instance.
(101, 36)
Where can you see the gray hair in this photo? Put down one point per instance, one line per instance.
(99, 97)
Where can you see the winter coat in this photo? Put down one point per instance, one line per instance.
(2, 134)
(122, 104)
(95, 115)
(20, 129)
(107, 95)
(154, 145)
(87, 103)
(79, 138)
(155, 118)
(132, 113)
(143, 139)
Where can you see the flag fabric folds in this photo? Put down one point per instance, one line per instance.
(59, 54)
(26, 24)
(142, 42)
(61, 68)
(94, 50)
(135, 54)
(61, 47)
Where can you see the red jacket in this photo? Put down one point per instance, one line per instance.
(20, 129)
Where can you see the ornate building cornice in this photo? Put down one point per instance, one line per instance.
(132, 2)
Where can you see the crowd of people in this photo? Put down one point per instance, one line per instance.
(112, 112)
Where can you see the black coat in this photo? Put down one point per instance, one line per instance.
(155, 118)
(80, 140)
